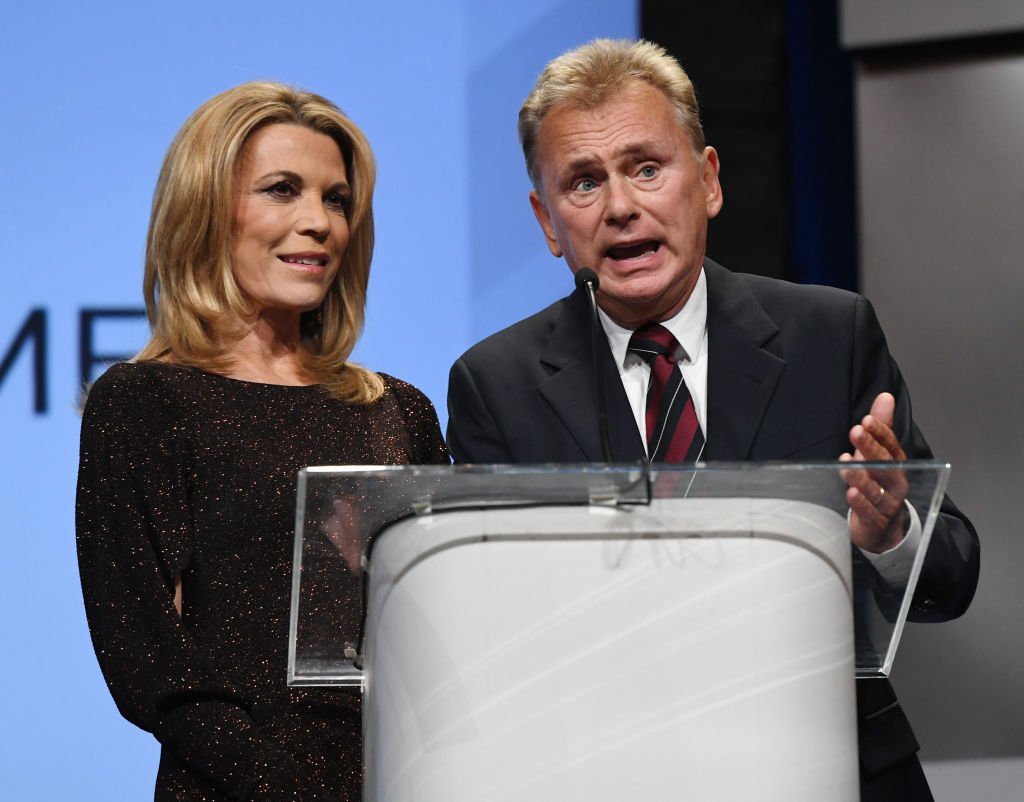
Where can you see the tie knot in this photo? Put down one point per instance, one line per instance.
(652, 340)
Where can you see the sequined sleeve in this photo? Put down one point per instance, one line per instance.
(135, 530)
(426, 441)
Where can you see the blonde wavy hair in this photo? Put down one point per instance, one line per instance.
(192, 299)
(588, 75)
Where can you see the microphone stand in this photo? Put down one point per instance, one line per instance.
(587, 280)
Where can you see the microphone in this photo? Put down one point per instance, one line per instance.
(587, 280)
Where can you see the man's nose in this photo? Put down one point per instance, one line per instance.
(620, 201)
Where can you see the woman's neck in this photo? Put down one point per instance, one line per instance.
(269, 352)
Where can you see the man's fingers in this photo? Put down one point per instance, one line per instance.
(875, 497)
(868, 514)
(885, 438)
(884, 491)
(884, 408)
(875, 442)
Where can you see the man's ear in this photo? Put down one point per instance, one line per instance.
(710, 166)
(540, 211)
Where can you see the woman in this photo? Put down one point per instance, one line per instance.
(256, 270)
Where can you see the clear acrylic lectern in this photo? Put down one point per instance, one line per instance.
(600, 632)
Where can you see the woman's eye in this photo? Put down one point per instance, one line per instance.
(282, 189)
(337, 201)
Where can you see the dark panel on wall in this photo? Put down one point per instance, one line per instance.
(776, 96)
(735, 55)
(823, 189)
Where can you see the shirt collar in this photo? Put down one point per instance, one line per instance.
(688, 326)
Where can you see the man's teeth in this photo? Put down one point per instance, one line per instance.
(633, 251)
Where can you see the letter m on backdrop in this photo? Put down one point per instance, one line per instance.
(33, 331)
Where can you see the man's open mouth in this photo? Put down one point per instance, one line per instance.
(633, 250)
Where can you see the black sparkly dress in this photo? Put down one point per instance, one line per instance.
(190, 473)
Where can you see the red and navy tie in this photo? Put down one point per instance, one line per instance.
(673, 433)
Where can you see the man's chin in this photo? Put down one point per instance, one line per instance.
(631, 306)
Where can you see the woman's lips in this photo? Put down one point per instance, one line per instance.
(311, 262)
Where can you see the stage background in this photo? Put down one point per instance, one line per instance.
(96, 91)
(93, 94)
(939, 121)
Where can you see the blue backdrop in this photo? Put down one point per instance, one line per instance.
(93, 94)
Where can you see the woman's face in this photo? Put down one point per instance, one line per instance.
(290, 218)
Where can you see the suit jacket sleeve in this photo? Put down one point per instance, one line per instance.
(474, 436)
(950, 573)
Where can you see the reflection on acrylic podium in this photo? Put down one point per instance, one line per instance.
(598, 633)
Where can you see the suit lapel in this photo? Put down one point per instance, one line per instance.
(571, 391)
(742, 372)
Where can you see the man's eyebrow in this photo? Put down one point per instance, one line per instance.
(631, 150)
(574, 165)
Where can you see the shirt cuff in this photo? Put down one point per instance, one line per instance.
(894, 565)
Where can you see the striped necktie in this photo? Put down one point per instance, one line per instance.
(673, 432)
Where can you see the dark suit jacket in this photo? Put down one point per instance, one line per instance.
(790, 369)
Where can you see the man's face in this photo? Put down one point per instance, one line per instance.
(625, 195)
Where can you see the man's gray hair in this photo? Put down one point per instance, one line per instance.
(590, 74)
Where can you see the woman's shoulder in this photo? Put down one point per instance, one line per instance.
(409, 397)
(420, 419)
(118, 381)
(131, 407)
(134, 385)
(134, 377)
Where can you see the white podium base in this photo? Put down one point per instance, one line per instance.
(594, 654)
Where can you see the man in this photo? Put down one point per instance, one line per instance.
(624, 184)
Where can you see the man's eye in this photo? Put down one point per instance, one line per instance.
(585, 185)
(648, 171)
